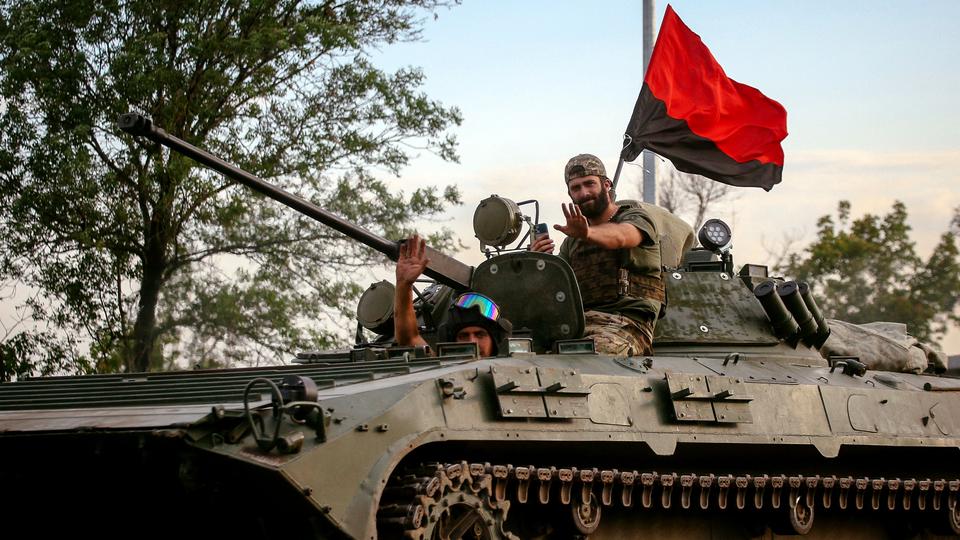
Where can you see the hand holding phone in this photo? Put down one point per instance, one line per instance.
(541, 239)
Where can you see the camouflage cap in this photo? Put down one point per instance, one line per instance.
(583, 165)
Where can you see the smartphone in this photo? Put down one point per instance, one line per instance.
(539, 231)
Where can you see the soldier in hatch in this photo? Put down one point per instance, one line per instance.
(472, 318)
(614, 252)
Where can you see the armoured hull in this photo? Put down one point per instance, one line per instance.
(719, 443)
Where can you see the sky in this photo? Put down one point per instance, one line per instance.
(869, 89)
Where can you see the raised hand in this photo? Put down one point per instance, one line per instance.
(577, 225)
(412, 261)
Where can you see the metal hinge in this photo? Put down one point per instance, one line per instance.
(709, 398)
(528, 392)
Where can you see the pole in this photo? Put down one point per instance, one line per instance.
(649, 160)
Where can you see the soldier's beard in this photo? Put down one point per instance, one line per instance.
(595, 207)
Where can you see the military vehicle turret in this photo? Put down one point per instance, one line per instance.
(737, 427)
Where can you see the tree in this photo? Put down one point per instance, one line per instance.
(137, 250)
(867, 270)
(690, 194)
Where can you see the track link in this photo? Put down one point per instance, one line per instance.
(416, 503)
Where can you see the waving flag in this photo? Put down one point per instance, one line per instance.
(690, 112)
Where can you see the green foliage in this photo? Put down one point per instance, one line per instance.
(134, 250)
(868, 270)
(38, 353)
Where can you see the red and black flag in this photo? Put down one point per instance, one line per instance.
(690, 112)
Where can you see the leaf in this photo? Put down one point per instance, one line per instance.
(867, 270)
(140, 257)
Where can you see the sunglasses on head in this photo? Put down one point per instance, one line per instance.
(486, 306)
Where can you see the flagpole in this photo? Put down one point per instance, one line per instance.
(616, 175)
(649, 162)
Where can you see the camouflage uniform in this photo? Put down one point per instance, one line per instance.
(617, 335)
(622, 289)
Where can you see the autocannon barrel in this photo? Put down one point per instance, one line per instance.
(442, 268)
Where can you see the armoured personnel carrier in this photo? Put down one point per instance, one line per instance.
(737, 427)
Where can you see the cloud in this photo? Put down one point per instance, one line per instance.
(866, 161)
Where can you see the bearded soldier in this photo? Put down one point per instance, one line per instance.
(614, 252)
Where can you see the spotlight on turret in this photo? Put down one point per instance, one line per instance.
(497, 221)
(715, 235)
